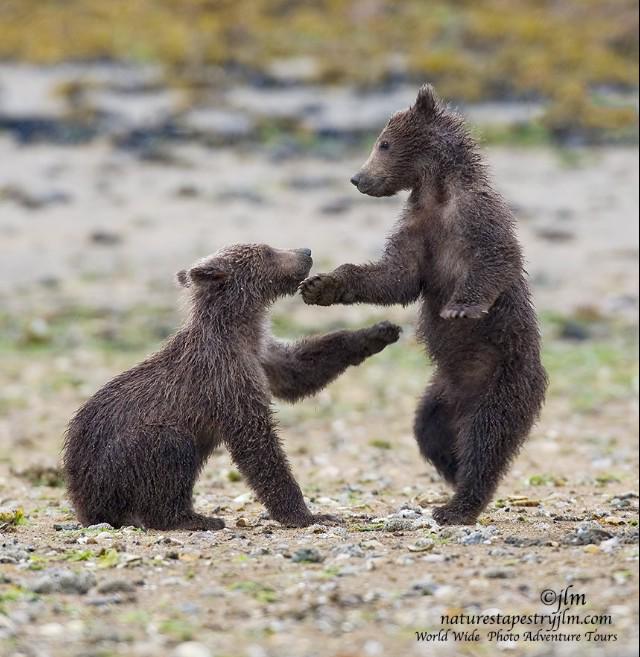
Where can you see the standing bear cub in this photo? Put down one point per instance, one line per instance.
(454, 248)
(133, 452)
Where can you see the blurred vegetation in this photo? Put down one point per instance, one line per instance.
(568, 51)
(588, 371)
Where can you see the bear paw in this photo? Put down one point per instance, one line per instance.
(453, 514)
(459, 310)
(380, 335)
(312, 519)
(322, 290)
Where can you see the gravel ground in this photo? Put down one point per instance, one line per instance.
(90, 238)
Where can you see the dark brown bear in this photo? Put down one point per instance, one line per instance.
(454, 248)
(134, 451)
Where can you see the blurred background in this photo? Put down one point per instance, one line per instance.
(137, 136)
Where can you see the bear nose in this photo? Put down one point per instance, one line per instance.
(306, 252)
(355, 179)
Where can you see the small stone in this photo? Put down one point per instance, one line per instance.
(242, 522)
(396, 524)
(478, 536)
(101, 526)
(67, 526)
(499, 573)
(307, 555)
(614, 520)
(425, 587)
(191, 649)
(587, 533)
(116, 586)
(63, 581)
(422, 545)
(105, 237)
(610, 545)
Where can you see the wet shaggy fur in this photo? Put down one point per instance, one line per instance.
(455, 250)
(134, 450)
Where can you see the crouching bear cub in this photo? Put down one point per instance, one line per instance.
(134, 450)
(454, 248)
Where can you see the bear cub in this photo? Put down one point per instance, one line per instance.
(455, 249)
(134, 450)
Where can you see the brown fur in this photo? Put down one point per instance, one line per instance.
(134, 450)
(455, 249)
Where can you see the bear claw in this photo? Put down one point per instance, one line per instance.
(458, 310)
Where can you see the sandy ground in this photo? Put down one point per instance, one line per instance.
(90, 238)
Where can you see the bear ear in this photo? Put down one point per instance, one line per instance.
(182, 278)
(427, 101)
(208, 273)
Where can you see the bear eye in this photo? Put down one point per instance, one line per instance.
(384, 146)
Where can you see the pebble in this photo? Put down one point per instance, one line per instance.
(587, 533)
(63, 581)
(67, 526)
(14, 553)
(475, 537)
(307, 555)
(101, 526)
(499, 573)
(395, 524)
(116, 586)
(191, 649)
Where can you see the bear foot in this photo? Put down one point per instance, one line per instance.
(198, 522)
(454, 514)
(312, 519)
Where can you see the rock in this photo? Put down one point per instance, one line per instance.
(187, 191)
(610, 545)
(499, 573)
(116, 586)
(191, 649)
(105, 237)
(101, 526)
(396, 524)
(337, 206)
(307, 555)
(33, 200)
(424, 587)
(14, 553)
(587, 533)
(520, 541)
(349, 550)
(572, 330)
(67, 526)
(105, 600)
(475, 537)
(630, 536)
(63, 581)
(422, 545)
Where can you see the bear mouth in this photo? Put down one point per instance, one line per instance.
(375, 188)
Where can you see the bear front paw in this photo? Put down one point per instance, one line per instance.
(382, 334)
(459, 310)
(321, 290)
